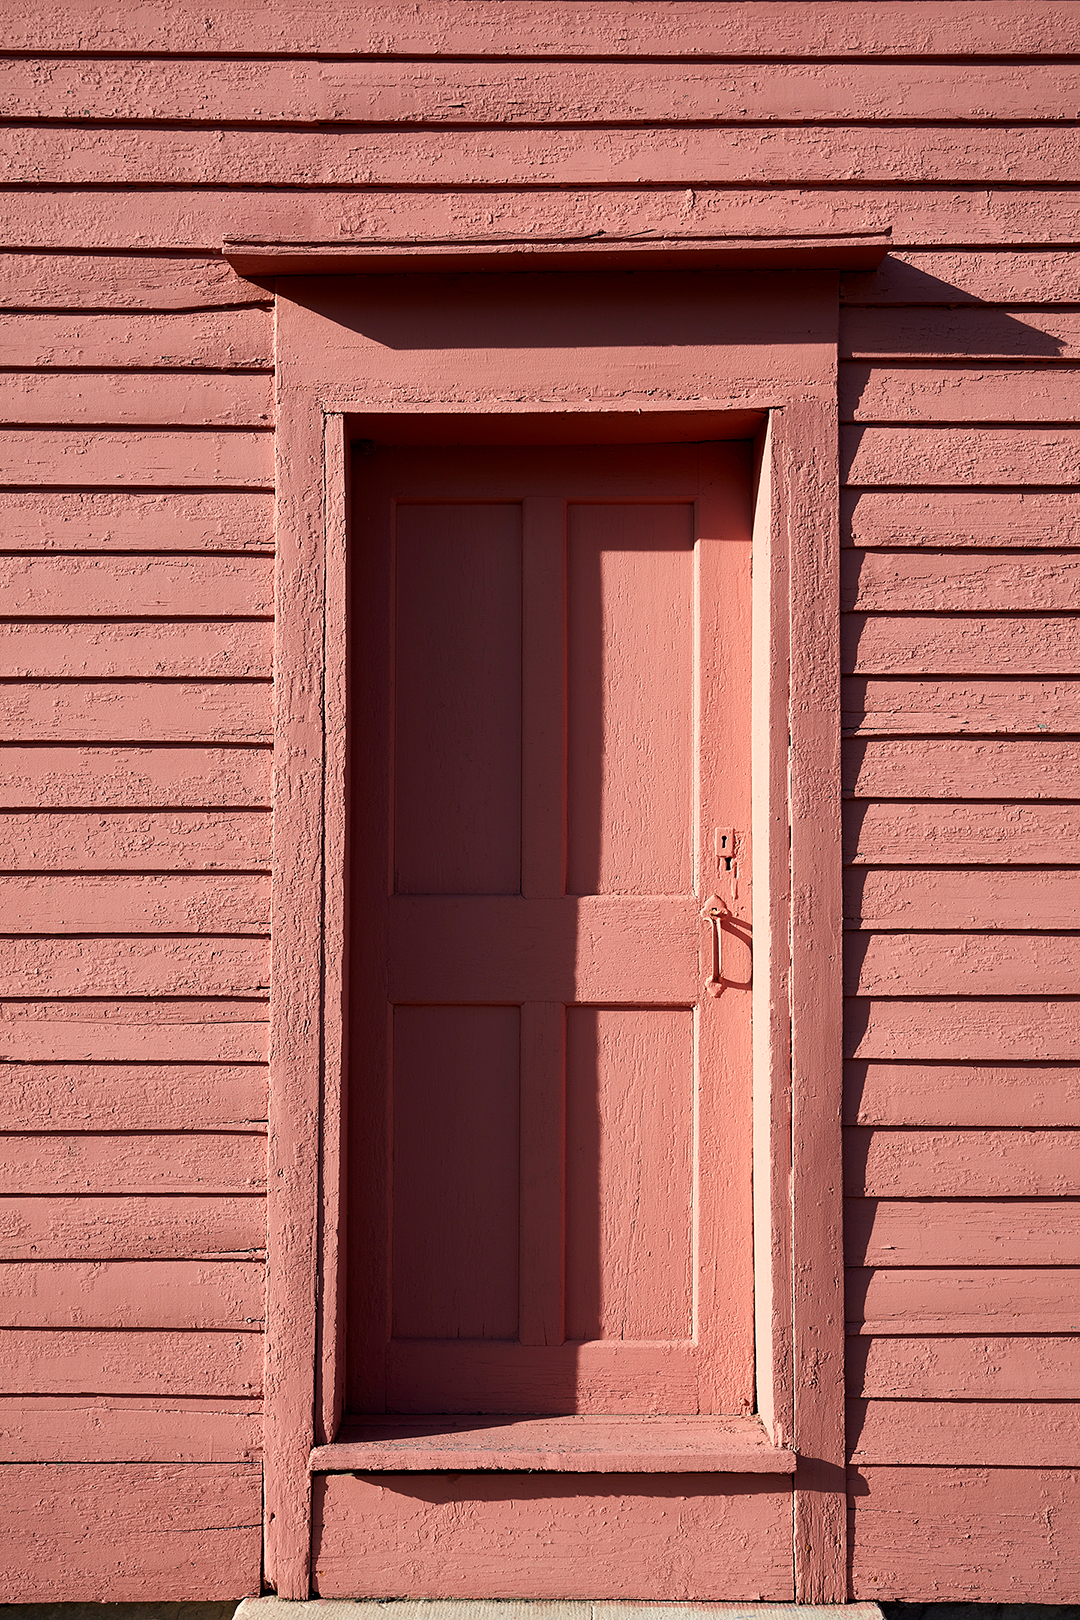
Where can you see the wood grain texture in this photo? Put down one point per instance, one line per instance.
(1026, 1516)
(218, 966)
(961, 834)
(962, 1232)
(240, 457)
(985, 1031)
(147, 841)
(882, 768)
(136, 587)
(153, 711)
(135, 520)
(1031, 1094)
(953, 1301)
(164, 1096)
(130, 1532)
(987, 964)
(135, 399)
(172, 903)
(45, 1362)
(959, 456)
(973, 1163)
(1001, 1434)
(898, 707)
(571, 1533)
(957, 582)
(962, 333)
(942, 899)
(961, 517)
(109, 650)
(206, 1294)
(127, 1227)
(958, 393)
(1001, 276)
(960, 644)
(118, 1429)
(98, 282)
(77, 778)
(210, 91)
(969, 1368)
(139, 1163)
(212, 340)
(134, 1031)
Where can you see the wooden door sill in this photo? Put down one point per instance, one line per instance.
(581, 1444)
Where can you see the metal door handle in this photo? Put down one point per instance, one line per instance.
(712, 911)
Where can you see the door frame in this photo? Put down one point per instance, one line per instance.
(797, 907)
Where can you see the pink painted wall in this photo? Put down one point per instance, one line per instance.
(136, 485)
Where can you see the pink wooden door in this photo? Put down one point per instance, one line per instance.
(550, 1161)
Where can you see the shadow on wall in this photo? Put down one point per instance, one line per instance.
(981, 1611)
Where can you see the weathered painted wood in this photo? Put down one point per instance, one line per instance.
(44, 1362)
(967, 517)
(135, 520)
(961, 834)
(207, 1294)
(973, 1163)
(455, 1532)
(211, 91)
(73, 155)
(147, 841)
(180, 1162)
(959, 1232)
(172, 903)
(133, 1031)
(132, 1228)
(135, 399)
(109, 650)
(888, 769)
(962, 333)
(1001, 1434)
(957, 582)
(960, 644)
(978, 1030)
(77, 778)
(131, 1531)
(111, 1429)
(897, 707)
(215, 340)
(955, 1301)
(1031, 1094)
(968, 1368)
(1002, 276)
(240, 457)
(986, 964)
(960, 455)
(166, 1096)
(999, 1535)
(124, 281)
(136, 587)
(933, 393)
(567, 28)
(153, 711)
(943, 899)
(133, 967)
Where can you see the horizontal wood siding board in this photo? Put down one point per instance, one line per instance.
(951, 1301)
(994, 1434)
(135, 587)
(240, 457)
(209, 91)
(960, 644)
(110, 1429)
(1034, 275)
(92, 281)
(961, 834)
(999, 1535)
(985, 1030)
(188, 1294)
(104, 650)
(84, 778)
(141, 966)
(963, 518)
(961, 768)
(875, 392)
(982, 1163)
(961, 456)
(977, 964)
(853, 154)
(962, 1094)
(153, 711)
(146, 841)
(909, 581)
(132, 1227)
(898, 707)
(564, 28)
(45, 1362)
(128, 903)
(946, 900)
(135, 399)
(132, 1532)
(127, 520)
(977, 1367)
(92, 340)
(135, 1163)
(904, 1232)
(960, 334)
(105, 1031)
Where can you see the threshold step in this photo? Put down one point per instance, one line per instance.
(272, 1608)
(580, 1445)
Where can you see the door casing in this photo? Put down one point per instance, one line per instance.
(568, 358)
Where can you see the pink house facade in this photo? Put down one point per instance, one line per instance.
(541, 790)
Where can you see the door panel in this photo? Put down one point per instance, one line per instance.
(550, 1150)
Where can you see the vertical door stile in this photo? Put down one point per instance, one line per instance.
(543, 865)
